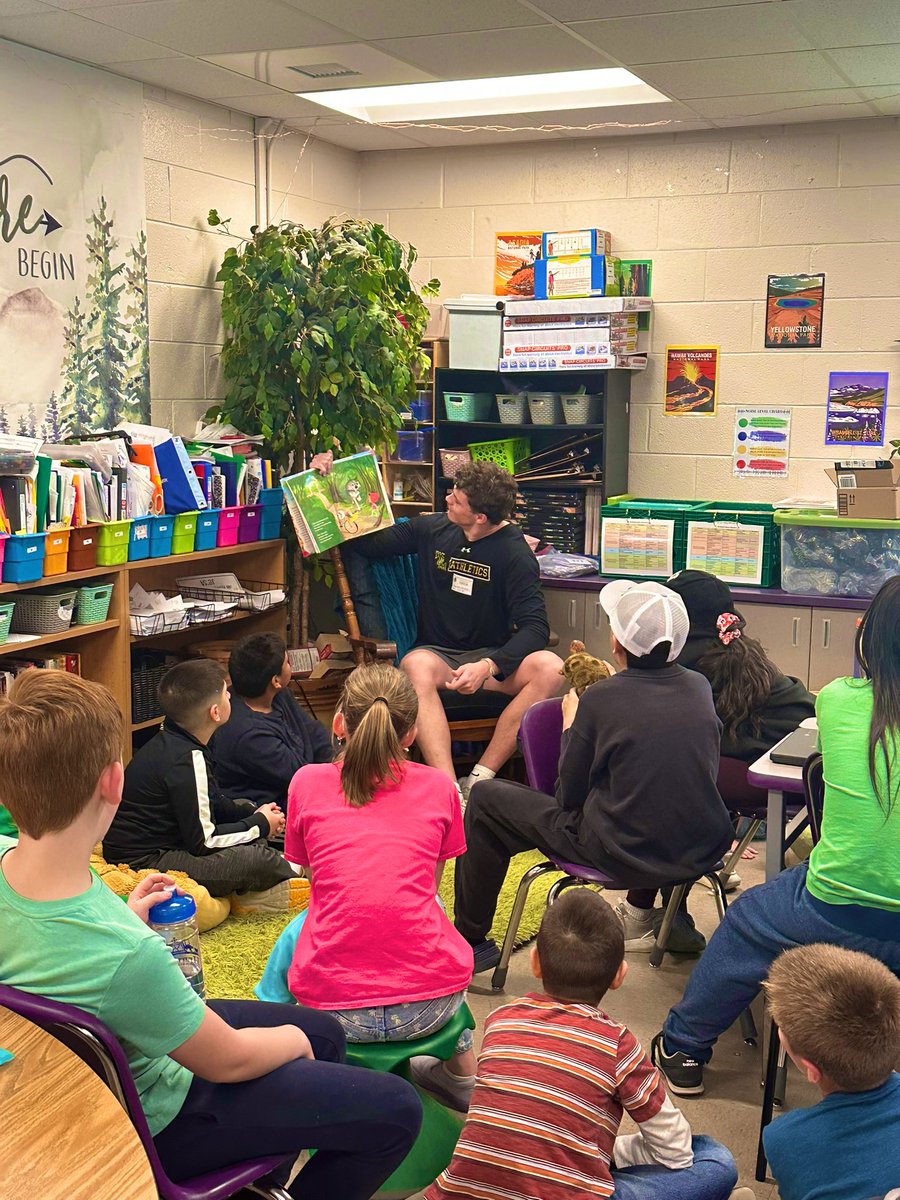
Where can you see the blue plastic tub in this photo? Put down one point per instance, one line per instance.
(139, 539)
(23, 558)
(207, 528)
(271, 497)
(270, 525)
(161, 530)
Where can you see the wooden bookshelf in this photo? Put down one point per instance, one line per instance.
(105, 648)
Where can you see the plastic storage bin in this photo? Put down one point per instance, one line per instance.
(506, 453)
(452, 460)
(83, 548)
(23, 558)
(112, 543)
(229, 525)
(648, 561)
(513, 410)
(56, 552)
(270, 525)
(6, 612)
(823, 554)
(468, 406)
(184, 533)
(271, 497)
(161, 529)
(545, 408)
(207, 528)
(139, 539)
(412, 445)
(731, 513)
(92, 603)
(422, 408)
(580, 408)
(248, 523)
(48, 611)
(3, 538)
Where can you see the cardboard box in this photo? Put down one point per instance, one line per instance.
(626, 322)
(514, 257)
(558, 362)
(578, 275)
(867, 490)
(575, 241)
(566, 341)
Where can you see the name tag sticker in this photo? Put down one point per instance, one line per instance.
(462, 584)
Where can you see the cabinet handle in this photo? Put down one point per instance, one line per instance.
(826, 633)
(795, 631)
(572, 605)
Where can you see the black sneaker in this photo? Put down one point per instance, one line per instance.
(487, 956)
(683, 1074)
(684, 936)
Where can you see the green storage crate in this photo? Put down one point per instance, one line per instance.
(92, 603)
(648, 560)
(823, 554)
(741, 572)
(468, 406)
(112, 543)
(506, 453)
(184, 533)
(6, 612)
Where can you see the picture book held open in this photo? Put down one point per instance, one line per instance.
(329, 509)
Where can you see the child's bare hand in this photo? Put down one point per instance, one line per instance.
(152, 889)
(274, 816)
(569, 708)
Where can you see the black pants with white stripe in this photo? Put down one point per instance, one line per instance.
(250, 867)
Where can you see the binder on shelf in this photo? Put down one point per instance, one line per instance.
(180, 485)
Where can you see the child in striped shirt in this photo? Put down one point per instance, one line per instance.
(555, 1075)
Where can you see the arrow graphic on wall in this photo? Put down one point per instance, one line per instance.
(51, 223)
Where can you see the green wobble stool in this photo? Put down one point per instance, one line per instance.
(441, 1127)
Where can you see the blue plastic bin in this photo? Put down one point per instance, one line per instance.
(139, 539)
(270, 525)
(271, 497)
(23, 559)
(207, 528)
(161, 530)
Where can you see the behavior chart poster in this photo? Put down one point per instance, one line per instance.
(762, 438)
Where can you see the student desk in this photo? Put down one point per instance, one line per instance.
(777, 779)
(63, 1134)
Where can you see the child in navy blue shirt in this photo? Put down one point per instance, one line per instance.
(838, 1014)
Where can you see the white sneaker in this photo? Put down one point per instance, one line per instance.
(640, 935)
(464, 786)
(430, 1075)
(730, 882)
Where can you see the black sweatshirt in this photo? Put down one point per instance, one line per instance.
(172, 802)
(471, 594)
(786, 706)
(640, 764)
(256, 755)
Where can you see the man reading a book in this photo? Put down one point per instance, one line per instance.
(482, 622)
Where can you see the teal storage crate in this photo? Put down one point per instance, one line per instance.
(23, 557)
(139, 539)
(207, 529)
(645, 555)
(92, 603)
(6, 612)
(742, 570)
(161, 530)
(270, 524)
(271, 497)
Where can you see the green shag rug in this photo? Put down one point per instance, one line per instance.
(235, 952)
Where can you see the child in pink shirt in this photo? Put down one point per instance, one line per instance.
(375, 831)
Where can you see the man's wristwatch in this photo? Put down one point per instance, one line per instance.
(492, 667)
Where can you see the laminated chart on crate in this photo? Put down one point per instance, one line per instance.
(732, 551)
(637, 546)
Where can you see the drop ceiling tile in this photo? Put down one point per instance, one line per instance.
(836, 23)
(869, 66)
(190, 76)
(827, 114)
(81, 5)
(21, 8)
(273, 103)
(359, 136)
(412, 18)
(807, 105)
(74, 36)
(367, 67)
(692, 36)
(219, 26)
(889, 105)
(496, 52)
(749, 76)
(585, 10)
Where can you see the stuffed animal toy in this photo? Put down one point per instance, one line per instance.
(582, 669)
(122, 879)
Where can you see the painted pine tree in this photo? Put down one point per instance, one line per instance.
(76, 395)
(53, 425)
(137, 313)
(109, 330)
(4, 421)
(21, 426)
(31, 421)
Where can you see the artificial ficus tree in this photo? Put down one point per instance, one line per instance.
(323, 331)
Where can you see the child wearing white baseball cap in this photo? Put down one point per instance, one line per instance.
(636, 796)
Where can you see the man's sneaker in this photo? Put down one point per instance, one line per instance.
(684, 937)
(431, 1075)
(640, 935)
(683, 1074)
(464, 786)
(487, 956)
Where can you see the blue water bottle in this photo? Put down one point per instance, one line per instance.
(175, 920)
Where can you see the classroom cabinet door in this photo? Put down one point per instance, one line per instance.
(565, 612)
(831, 649)
(596, 628)
(784, 632)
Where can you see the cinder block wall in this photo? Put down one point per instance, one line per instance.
(198, 156)
(717, 212)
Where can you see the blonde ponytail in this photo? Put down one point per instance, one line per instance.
(379, 707)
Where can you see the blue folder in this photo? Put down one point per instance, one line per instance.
(180, 485)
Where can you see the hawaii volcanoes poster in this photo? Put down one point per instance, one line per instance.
(74, 349)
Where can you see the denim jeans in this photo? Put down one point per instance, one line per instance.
(712, 1177)
(761, 923)
(403, 1022)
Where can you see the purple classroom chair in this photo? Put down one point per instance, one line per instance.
(539, 737)
(90, 1039)
(744, 800)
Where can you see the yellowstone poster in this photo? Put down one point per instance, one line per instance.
(73, 255)
(794, 306)
(691, 373)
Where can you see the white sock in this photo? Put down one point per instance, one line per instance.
(456, 1078)
(640, 914)
(480, 772)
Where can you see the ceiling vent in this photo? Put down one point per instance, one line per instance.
(325, 71)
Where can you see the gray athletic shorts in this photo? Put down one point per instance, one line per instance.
(456, 658)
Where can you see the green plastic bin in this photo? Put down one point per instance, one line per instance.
(92, 603)
(184, 533)
(112, 543)
(823, 554)
(644, 559)
(731, 513)
(506, 453)
(6, 612)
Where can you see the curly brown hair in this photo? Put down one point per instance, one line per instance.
(489, 490)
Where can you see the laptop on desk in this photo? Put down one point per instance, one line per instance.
(796, 748)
